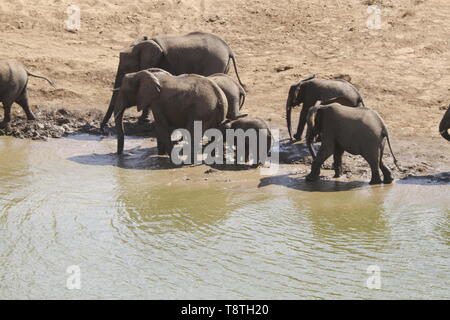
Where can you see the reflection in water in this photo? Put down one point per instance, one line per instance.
(139, 228)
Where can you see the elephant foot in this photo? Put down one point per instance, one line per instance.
(311, 178)
(143, 120)
(103, 128)
(375, 181)
(337, 175)
(31, 118)
(388, 180)
(4, 124)
(297, 136)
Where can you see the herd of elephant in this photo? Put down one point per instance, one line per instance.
(182, 79)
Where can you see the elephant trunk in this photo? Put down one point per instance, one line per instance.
(312, 129)
(112, 103)
(445, 125)
(289, 105)
(118, 116)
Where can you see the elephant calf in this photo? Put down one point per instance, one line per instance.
(13, 88)
(311, 90)
(234, 92)
(359, 131)
(175, 101)
(261, 130)
(444, 125)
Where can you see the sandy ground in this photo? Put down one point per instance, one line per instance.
(402, 69)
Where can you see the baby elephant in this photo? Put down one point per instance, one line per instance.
(13, 88)
(234, 92)
(359, 131)
(260, 131)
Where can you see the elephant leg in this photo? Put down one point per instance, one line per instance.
(373, 160)
(7, 114)
(337, 158)
(190, 128)
(144, 116)
(163, 134)
(23, 102)
(387, 176)
(325, 151)
(301, 122)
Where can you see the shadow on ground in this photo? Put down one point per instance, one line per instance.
(299, 183)
(442, 178)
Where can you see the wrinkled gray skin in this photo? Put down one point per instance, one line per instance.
(359, 131)
(194, 53)
(234, 92)
(311, 90)
(175, 101)
(13, 88)
(245, 123)
(444, 125)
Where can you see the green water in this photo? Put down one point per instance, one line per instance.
(136, 230)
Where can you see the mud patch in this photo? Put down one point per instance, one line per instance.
(58, 123)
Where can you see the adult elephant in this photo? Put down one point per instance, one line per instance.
(311, 90)
(199, 53)
(175, 101)
(445, 125)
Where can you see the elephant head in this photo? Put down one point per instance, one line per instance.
(445, 125)
(142, 54)
(138, 89)
(294, 99)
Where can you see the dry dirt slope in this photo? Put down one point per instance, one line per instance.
(402, 70)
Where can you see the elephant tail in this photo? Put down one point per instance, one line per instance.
(232, 57)
(242, 95)
(390, 148)
(41, 77)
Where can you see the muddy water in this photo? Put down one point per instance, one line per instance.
(137, 229)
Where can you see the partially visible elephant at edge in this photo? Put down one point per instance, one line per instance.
(359, 131)
(194, 53)
(13, 88)
(245, 123)
(444, 125)
(311, 90)
(234, 92)
(175, 101)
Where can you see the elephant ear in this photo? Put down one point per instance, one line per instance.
(148, 53)
(148, 87)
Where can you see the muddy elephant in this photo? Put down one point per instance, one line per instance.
(359, 131)
(444, 125)
(262, 131)
(175, 101)
(13, 88)
(311, 90)
(194, 53)
(234, 92)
